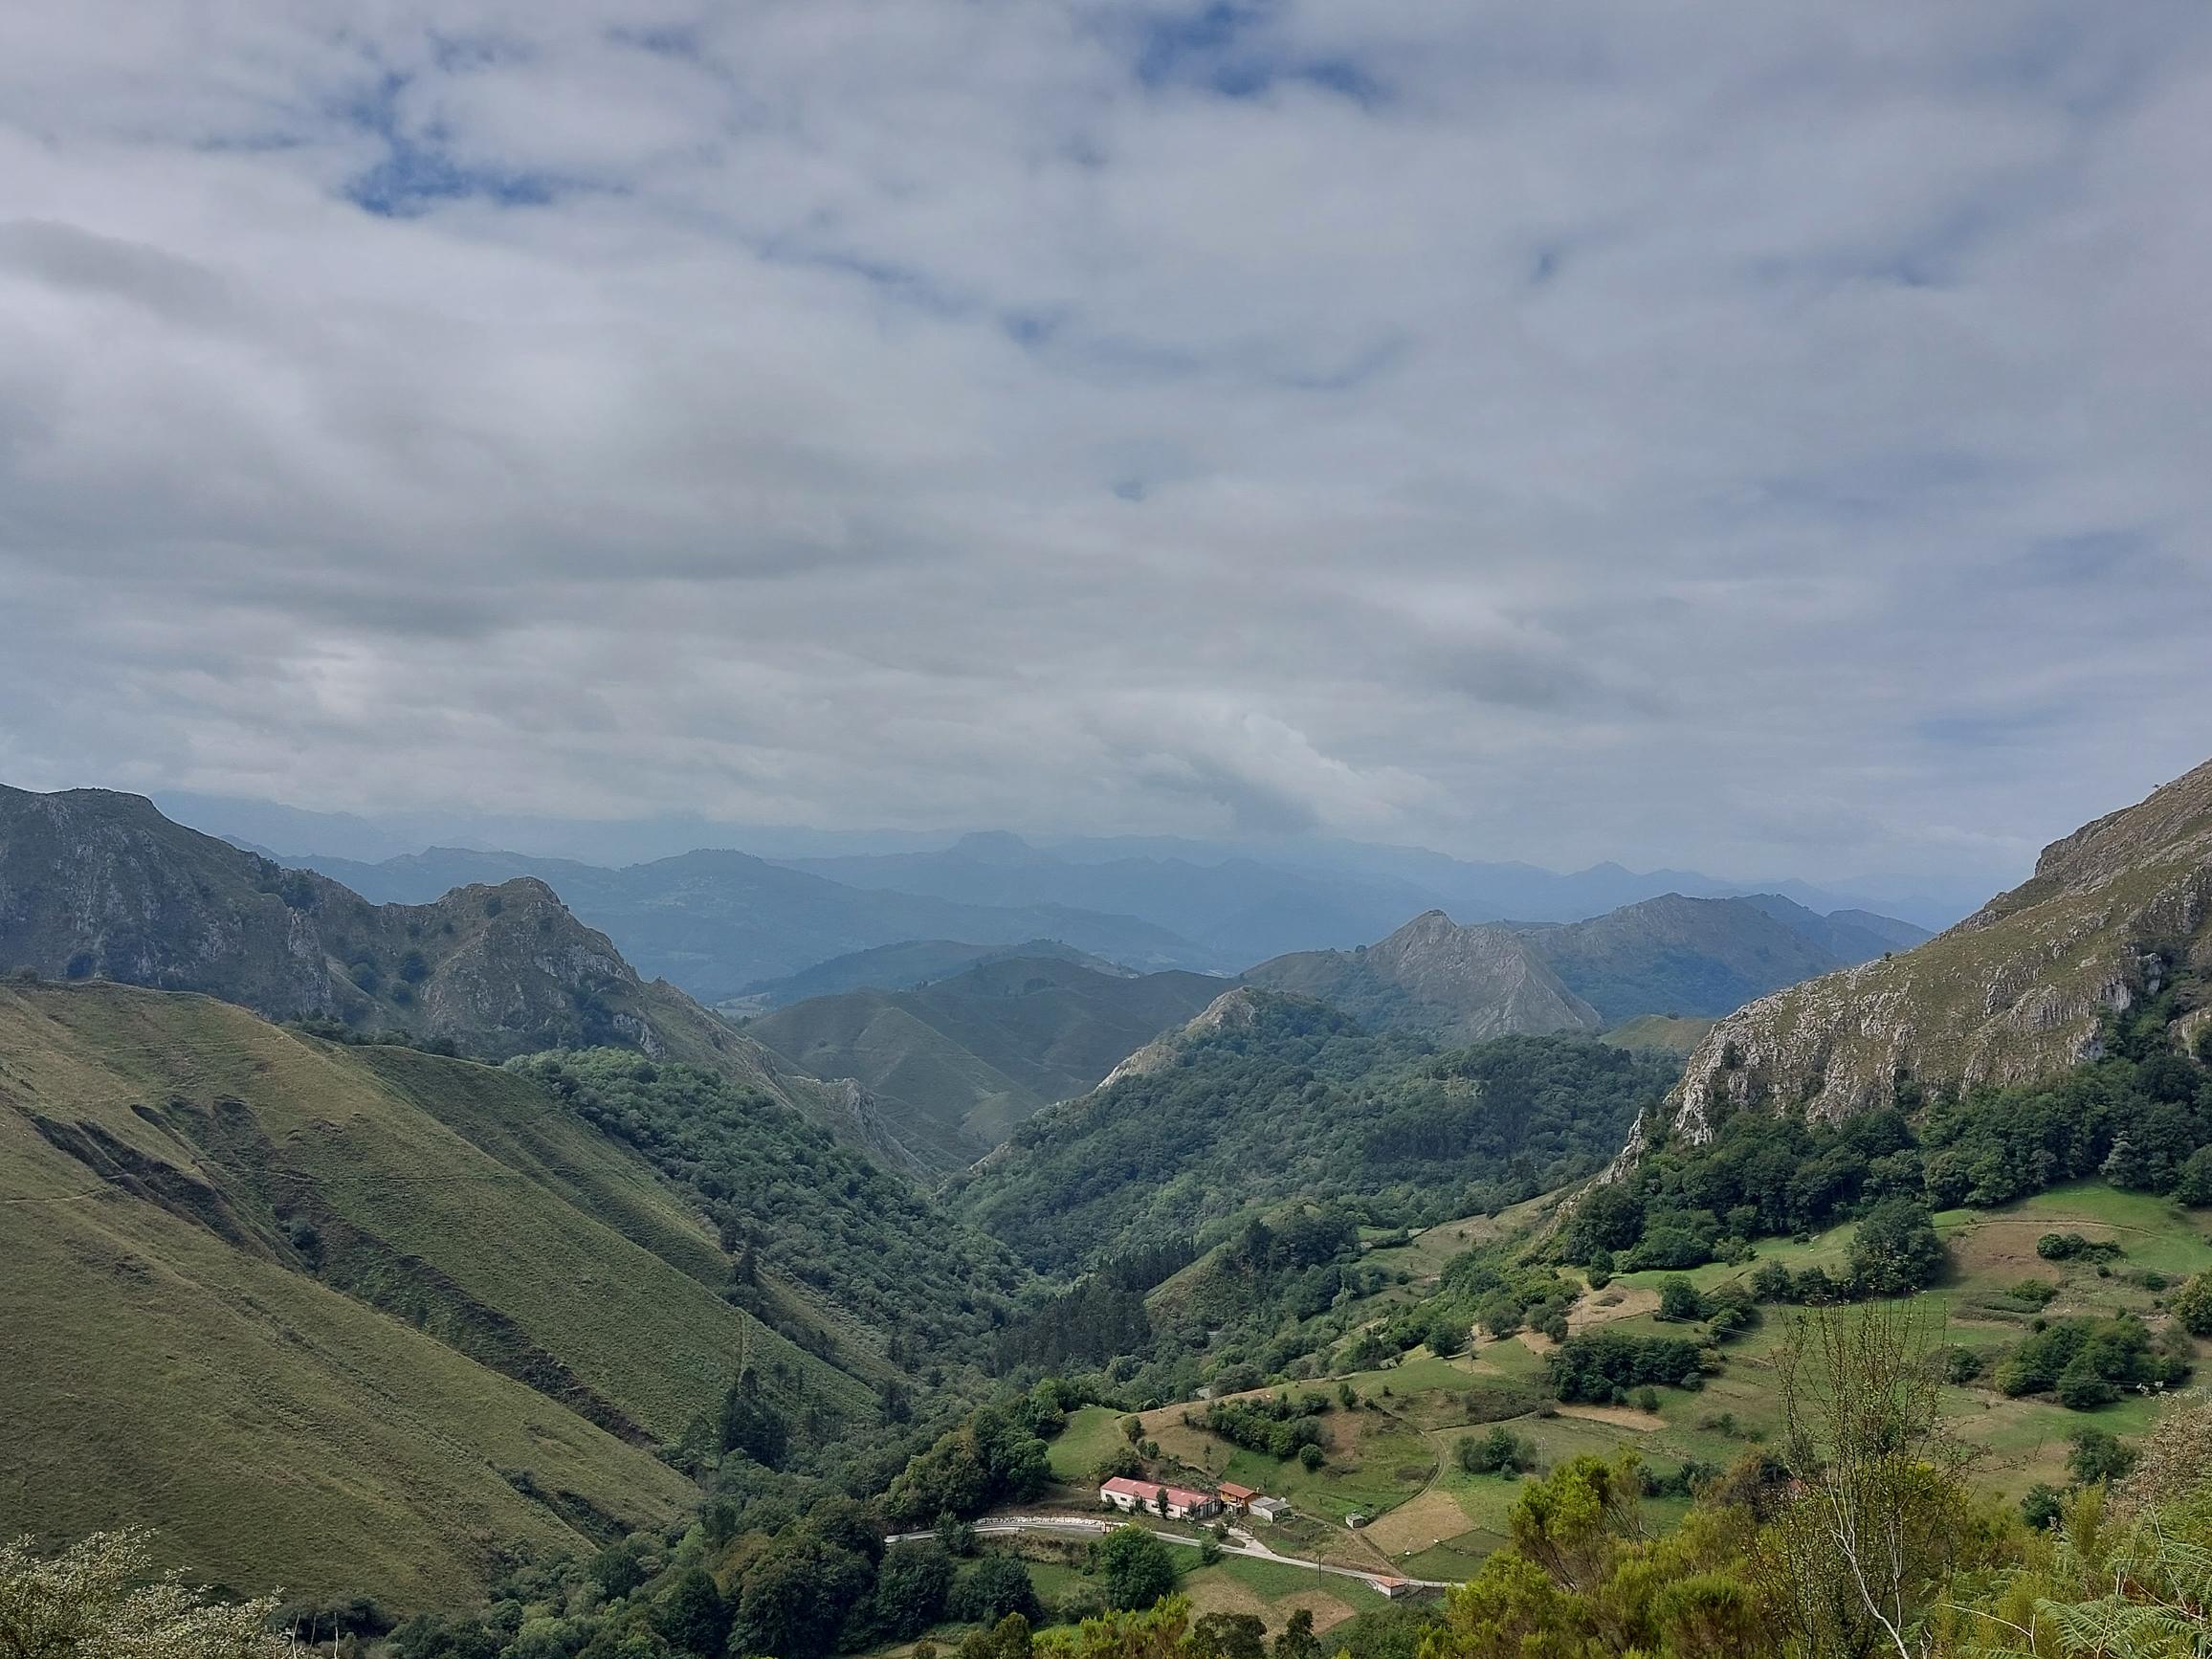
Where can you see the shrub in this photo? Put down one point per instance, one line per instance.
(1500, 1451)
(1679, 1301)
(2194, 1185)
(1599, 1366)
(1960, 1365)
(2097, 1456)
(2086, 1362)
(986, 1592)
(2193, 1305)
(1895, 1250)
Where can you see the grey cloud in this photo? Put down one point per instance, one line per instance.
(933, 415)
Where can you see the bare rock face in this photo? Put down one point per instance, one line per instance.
(1461, 984)
(2013, 993)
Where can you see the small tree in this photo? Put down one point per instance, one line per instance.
(1679, 1300)
(1136, 1566)
(98, 1597)
(1880, 1517)
(2193, 1305)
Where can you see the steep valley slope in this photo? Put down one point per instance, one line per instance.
(346, 1319)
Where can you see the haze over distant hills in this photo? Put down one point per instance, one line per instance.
(1706, 957)
(953, 1066)
(718, 922)
(898, 967)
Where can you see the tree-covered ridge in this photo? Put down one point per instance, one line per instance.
(2140, 1116)
(794, 1207)
(1299, 1101)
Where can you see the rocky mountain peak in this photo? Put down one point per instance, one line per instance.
(2015, 992)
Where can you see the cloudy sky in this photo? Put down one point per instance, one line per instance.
(1763, 438)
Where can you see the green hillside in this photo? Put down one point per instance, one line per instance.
(1268, 1097)
(346, 1319)
(1665, 1033)
(954, 1065)
(898, 967)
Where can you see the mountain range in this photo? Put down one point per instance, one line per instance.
(1668, 954)
(718, 923)
(951, 1066)
(95, 884)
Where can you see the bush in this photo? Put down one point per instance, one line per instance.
(1500, 1451)
(2192, 1305)
(2097, 1456)
(1137, 1567)
(2193, 1187)
(2086, 1362)
(1960, 1365)
(1600, 1365)
(2068, 1246)
(1679, 1301)
(988, 1591)
(1895, 1250)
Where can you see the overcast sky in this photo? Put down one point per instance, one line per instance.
(1757, 437)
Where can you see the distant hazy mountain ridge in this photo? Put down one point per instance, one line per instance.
(720, 923)
(1459, 985)
(1706, 956)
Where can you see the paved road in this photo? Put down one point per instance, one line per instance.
(1240, 1543)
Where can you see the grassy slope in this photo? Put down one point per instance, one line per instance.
(1667, 1033)
(190, 1371)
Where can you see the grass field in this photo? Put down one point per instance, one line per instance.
(1091, 1432)
(487, 1280)
(1432, 1520)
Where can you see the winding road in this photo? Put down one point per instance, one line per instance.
(1239, 1543)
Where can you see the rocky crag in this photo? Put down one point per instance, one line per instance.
(2017, 991)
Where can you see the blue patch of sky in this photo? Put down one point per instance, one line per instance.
(1224, 47)
(417, 172)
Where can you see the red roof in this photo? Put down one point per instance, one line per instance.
(1236, 1493)
(1142, 1490)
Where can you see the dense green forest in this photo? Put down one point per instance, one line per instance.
(857, 1243)
(1301, 1101)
